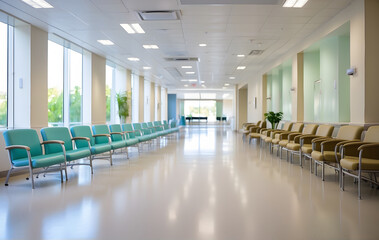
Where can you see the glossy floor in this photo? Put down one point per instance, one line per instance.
(208, 184)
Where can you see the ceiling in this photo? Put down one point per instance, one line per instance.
(228, 29)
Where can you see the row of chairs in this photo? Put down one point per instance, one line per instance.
(345, 153)
(60, 149)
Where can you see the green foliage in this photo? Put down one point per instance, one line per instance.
(76, 105)
(123, 99)
(55, 105)
(108, 102)
(274, 118)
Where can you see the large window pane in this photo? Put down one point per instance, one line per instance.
(75, 68)
(55, 84)
(109, 75)
(3, 74)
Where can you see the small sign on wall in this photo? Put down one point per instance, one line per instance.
(255, 102)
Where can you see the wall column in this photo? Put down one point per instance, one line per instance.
(141, 99)
(264, 95)
(159, 104)
(297, 84)
(152, 101)
(98, 90)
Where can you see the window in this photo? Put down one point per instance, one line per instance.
(6, 54)
(65, 91)
(109, 79)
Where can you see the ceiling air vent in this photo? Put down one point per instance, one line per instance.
(181, 59)
(174, 72)
(256, 52)
(159, 15)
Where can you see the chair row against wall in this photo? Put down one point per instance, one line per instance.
(62, 147)
(351, 152)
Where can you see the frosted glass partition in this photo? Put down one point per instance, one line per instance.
(326, 85)
(279, 94)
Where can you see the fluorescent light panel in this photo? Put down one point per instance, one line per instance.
(240, 55)
(150, 46)
(106, 42)
(202, 45)
(192, 80)
(241, 67)
(38, 3)
(132, 28)
(232, 77)
(146, 68)
(190, 73)
(226, 84)
(294, 3)
(186, 67)
(133, 59)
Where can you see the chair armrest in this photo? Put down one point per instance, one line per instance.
(52, 142)
(330, 145)
(350, 149)
(283, 135)
(291, 136)
(316, 143)
(118, 133)
(80, 138)
(17, 147)
(101, 135)
(369, 151)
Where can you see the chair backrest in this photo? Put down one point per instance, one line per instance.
(297, 127)
(137, 126)
(287, 126)
(325, 130)
(262, 124)
(144, 125)
(150, 124)
(165, 122)
(350, 133)
(157, 123)
(82, 131)
(129, 128)
(372, 135)
(115, 128)
(100, 129)
(310, 129)
(173, 124)
(56, 133)
(26, 137)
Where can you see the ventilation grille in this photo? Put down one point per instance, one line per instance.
(256, 52)
(159, 15)
(181, 59)
(174, 72)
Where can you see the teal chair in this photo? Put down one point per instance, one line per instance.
(173, 126)
(118, 135)
(63, 134)
(25, 152)
(142, 134)
(104, 130)
(156, 129)
(96, 143)
(149, 131)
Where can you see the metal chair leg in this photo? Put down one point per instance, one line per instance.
(8, 175)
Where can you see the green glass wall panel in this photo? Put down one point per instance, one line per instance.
(181, 108)
(276, 97)
(219, 109)
(344, 80)
(311, 84)
(286, 91)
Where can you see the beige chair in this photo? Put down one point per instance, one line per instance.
(247, 127)
(255, 131)
(302, 144)
(285, 144)
(268, 134)
(361, 157)
(326, 151)
(296, 128)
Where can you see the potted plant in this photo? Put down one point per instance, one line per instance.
(123, 105)
(274, 118)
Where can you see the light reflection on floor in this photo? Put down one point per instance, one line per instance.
(207, 184)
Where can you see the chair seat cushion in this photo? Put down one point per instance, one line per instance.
(255, 135)
(306, 148)
(130, 142)
(268, 139)
(283, 143)
(352, 163)
(41, 160)
(76, 154)
(144, 138)
(328, 156)
(293, 146)
(275, 141)
(100, 148)
(118, 144)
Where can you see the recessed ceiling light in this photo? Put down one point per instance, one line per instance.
(202, 45)
(192, 80)
(38, 3)
(190, 73)
(133, 59)
(294, 3)
(202, 81)
(226, 84)
(240, 55)
(184, 80)
(232, 77)
(106, 42)
(146, 68)
(187, 67)
(150, 46)
(241, 67)
(132, 28)
(186, 85)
